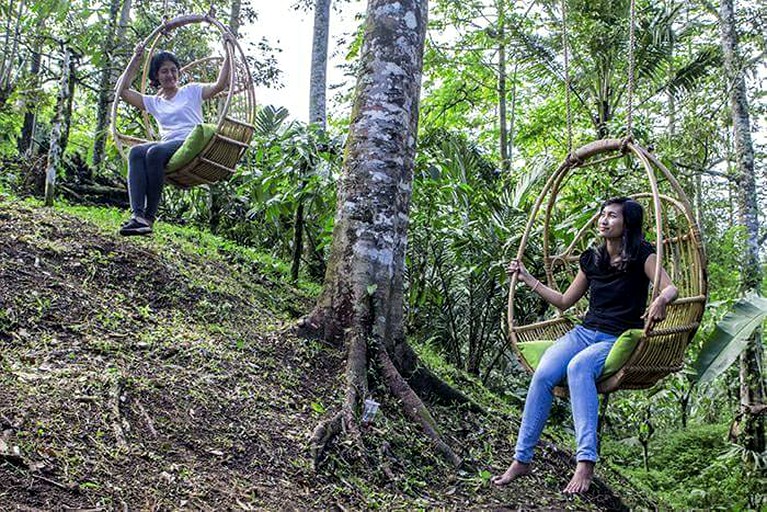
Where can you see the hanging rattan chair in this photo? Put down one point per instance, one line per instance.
(231, 112)
(673, 230)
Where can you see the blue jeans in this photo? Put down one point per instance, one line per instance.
(580, 355)
(146, 174)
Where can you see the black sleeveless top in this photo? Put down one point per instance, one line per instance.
(617, 298)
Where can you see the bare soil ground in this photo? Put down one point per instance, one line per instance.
(139, 375)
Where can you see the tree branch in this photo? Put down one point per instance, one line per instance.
(709, 171)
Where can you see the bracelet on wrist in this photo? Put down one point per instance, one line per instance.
(535, 286)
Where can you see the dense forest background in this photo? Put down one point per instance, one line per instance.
(495, 118)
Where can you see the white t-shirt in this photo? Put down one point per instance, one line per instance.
(179, 115)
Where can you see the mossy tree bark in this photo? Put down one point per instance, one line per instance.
(752, 380)
(362, 300)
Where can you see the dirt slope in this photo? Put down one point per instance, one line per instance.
(140, 375)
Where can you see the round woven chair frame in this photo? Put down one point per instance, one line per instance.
(235, 109)
(679, 249)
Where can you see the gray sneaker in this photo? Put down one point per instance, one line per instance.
(135, 227)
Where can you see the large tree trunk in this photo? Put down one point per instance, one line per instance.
(752, 381)
(370, 232)
(114, 39)
(362, 298)
(60, 124)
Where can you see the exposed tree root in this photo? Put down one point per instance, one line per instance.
(309, 328)
(421, 379)
(426, 383)
(147, 419)
(119, 425)
(413, 405)
(323, 433)
(385, 458)
(356, 389)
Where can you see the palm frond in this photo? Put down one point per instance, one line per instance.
(537, 168)
(655, 43)
(687, 78)
(269, 120)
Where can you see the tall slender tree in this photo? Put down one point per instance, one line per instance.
(752, 381)
(317, 113)
(504, 131)
(10, 45)
(119, 17)
(30, 111)
(234, 17)
(216, 191)
(318, 77)
(61, 121)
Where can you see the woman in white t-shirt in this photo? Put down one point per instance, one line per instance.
(177, 111)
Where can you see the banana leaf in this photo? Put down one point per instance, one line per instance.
(730, 337)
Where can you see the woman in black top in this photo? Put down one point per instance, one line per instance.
(616, 275)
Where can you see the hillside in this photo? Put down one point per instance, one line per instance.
(161, 374)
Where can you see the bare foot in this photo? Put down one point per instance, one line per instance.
(581, 480)
(516, 470)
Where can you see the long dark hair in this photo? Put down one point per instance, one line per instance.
(633, 220)
(156, 63)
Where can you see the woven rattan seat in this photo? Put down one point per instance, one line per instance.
(232, 111)
(678, 245)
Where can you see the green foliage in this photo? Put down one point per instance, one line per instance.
(692, 469)
(463, 222)
(289, 164)
(10, 127)
(730, 337)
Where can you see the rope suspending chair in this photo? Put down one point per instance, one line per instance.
(229, 116)
(641, 358)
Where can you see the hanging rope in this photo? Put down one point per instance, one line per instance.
(165, 16)
(567, 79)
(630, 99)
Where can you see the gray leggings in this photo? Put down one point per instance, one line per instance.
(146, 174)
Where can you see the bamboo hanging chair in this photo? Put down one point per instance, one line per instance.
(675, 234)
(232, 111)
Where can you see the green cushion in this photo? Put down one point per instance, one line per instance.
(622, 349)
(193, 144)
(533, 351)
